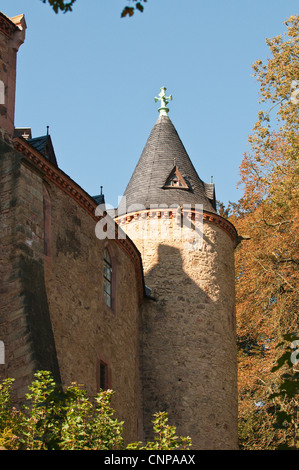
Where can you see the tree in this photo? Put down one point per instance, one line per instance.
(56, 419)
(267, 261)
(67, 5)
(279, 85)
(273, 422)
(286, 397)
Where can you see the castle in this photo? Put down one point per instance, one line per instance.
(140, 299)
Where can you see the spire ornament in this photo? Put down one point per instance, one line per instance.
(163, 110)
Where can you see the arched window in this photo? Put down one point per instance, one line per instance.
(107, 278)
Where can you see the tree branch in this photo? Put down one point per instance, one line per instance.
(277, 224)
(278, 274)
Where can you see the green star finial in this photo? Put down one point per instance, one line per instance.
(163, 110)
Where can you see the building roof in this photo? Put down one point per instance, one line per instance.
(61, 180)
(165, 174)
(44, 145)
(100, 199)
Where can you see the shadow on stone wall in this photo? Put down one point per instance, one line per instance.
(181, 371)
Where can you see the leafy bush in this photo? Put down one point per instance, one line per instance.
(56, 419)
(165, 436)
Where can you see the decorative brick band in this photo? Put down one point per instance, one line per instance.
(56, 175)
(222, 223)
(66, 184)
(210, 217)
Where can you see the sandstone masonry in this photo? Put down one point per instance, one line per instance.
(144, 309)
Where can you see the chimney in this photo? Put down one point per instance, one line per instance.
(12, 35)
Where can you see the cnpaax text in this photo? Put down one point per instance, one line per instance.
(171, 459)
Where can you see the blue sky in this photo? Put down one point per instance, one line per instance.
(92, 77)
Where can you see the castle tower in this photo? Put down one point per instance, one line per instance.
(188, 344)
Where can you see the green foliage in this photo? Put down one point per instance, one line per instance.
(60, 5)
(129, 11)
(286, 395)
(165, 437)
(53, 419)
(56, 419)
(65, 6)
(272, 422)
(5, 402)
(10, 418)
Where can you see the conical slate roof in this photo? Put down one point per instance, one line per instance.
(163, 157)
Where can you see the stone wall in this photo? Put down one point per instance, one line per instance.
(86, 330)
(189, 345)
(53, 316)
(24, 315)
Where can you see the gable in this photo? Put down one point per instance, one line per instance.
(175, 180)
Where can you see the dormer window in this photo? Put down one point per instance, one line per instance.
(175, 180)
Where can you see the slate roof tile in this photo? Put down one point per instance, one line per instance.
(164, 150)
(44, 145)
